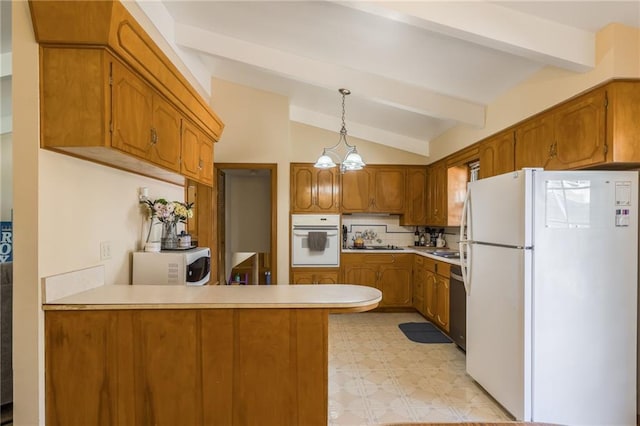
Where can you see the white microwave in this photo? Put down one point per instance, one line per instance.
(184, 267)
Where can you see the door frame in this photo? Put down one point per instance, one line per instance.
(273, 169)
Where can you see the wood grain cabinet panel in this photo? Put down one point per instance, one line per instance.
(94, 107)
(442, 302)
(497, 154)
(196, 153)
(430, 295)
(623, 125)
(389, 190)
(419, 283)
(357, 191)
(579, 132)
(534, 142)
(374, 189)
(395, 283)
(109, 25)
(415, 212)
(569, 136)
(186, 366)
(314, 190)
(144, 124)
(317, 276)
(110, 95)
(81, 378)
(167, 367)
(436, 276)
(389, 273)
(437, 194)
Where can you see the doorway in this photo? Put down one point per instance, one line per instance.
(246, 223)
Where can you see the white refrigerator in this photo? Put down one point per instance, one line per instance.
(551, 277)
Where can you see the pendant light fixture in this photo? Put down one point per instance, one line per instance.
(351, 159)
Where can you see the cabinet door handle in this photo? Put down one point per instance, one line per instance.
(200, 164)
(154, 136)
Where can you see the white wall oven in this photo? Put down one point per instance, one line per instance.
(315, 240)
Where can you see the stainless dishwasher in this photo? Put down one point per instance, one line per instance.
(457, 308)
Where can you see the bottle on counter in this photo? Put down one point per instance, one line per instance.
(267, 278)
(423, 240)
(416, 237)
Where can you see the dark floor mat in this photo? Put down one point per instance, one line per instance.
(423, 332)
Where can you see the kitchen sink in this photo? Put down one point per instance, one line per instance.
(441, 252)
(448, 254)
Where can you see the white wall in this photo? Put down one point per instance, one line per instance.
(257, 131)
(83, 204)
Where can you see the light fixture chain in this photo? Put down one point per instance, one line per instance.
(351, 160)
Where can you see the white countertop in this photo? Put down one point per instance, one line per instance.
(408, 250)
(331, 296)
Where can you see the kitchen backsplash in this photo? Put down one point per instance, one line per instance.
(386, 230)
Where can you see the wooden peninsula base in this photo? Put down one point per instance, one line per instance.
(187, 366)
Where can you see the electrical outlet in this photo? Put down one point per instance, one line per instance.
(105, 250)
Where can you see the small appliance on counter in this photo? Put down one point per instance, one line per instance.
(185, 267)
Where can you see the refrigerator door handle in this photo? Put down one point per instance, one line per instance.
(465, 252)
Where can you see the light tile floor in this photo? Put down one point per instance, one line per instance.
(378, 376)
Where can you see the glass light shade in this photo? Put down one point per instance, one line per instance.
(353, 161)
(324, 162)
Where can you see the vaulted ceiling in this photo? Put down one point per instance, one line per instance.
(415, 69)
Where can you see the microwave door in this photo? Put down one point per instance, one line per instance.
(198, 270)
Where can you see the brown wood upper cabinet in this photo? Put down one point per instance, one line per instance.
(623, 125)
(569, 136)
(437, 194)
(497, 154)
(93, 107)
(374, 189)
(197, 153)
(110, 95)
(415, 212)
(144, 124)
(314, 190)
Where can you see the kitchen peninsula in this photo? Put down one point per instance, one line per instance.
(119, 354)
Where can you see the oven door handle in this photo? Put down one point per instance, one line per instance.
(305, 233)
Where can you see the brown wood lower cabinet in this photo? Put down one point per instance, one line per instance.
(186, 366)
(431, 279)
(315, 276)
(389, 273)
(419, 284)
